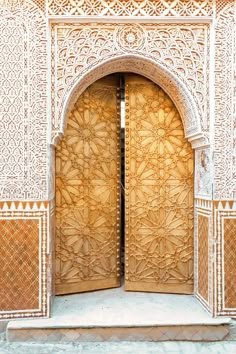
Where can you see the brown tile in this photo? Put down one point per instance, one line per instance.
(19, 262)
(203, 256)
(230, 262)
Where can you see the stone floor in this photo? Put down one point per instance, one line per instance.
(116, 307)
(115, 315)
(119, 348)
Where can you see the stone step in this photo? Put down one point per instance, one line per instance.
(112, 334)
(116, 315)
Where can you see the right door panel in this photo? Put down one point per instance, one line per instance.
(159, 192)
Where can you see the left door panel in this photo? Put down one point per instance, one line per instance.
(88, 192)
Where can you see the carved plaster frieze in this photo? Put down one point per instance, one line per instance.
(172, 8)
(180, 50)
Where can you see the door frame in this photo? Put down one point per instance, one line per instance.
(185, 104)
(78, 285)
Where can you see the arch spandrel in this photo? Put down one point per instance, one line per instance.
(162, 77)
(173, 58)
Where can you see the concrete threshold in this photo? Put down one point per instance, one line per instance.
(116, 315)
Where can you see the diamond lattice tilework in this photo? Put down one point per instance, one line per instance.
(203, 256)
(19, 262)
(230, 262)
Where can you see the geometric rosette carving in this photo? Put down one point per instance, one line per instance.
(159, 192)
(87, 193)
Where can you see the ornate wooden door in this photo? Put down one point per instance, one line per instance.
(159, 192)
(87, 193)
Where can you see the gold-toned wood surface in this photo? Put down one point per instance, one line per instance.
(159, 192)
(87, 192)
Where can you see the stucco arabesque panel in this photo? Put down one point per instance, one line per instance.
(225, 123)
(23, 119)
(130, 8)
(181, 49)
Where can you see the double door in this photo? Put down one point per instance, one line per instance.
(158, 192)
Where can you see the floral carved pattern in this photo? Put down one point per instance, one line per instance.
(87, 196)
(159, 193)
(131, 8)
(180, 49)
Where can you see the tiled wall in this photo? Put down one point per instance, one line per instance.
(204, 252)
(203, 256)
(225, 257)
(24, 259)
(20, 277)
(215, 256)
(230, 262)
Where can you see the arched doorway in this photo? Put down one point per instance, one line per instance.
(158, 189)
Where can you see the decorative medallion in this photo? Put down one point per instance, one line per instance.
(130, 37)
